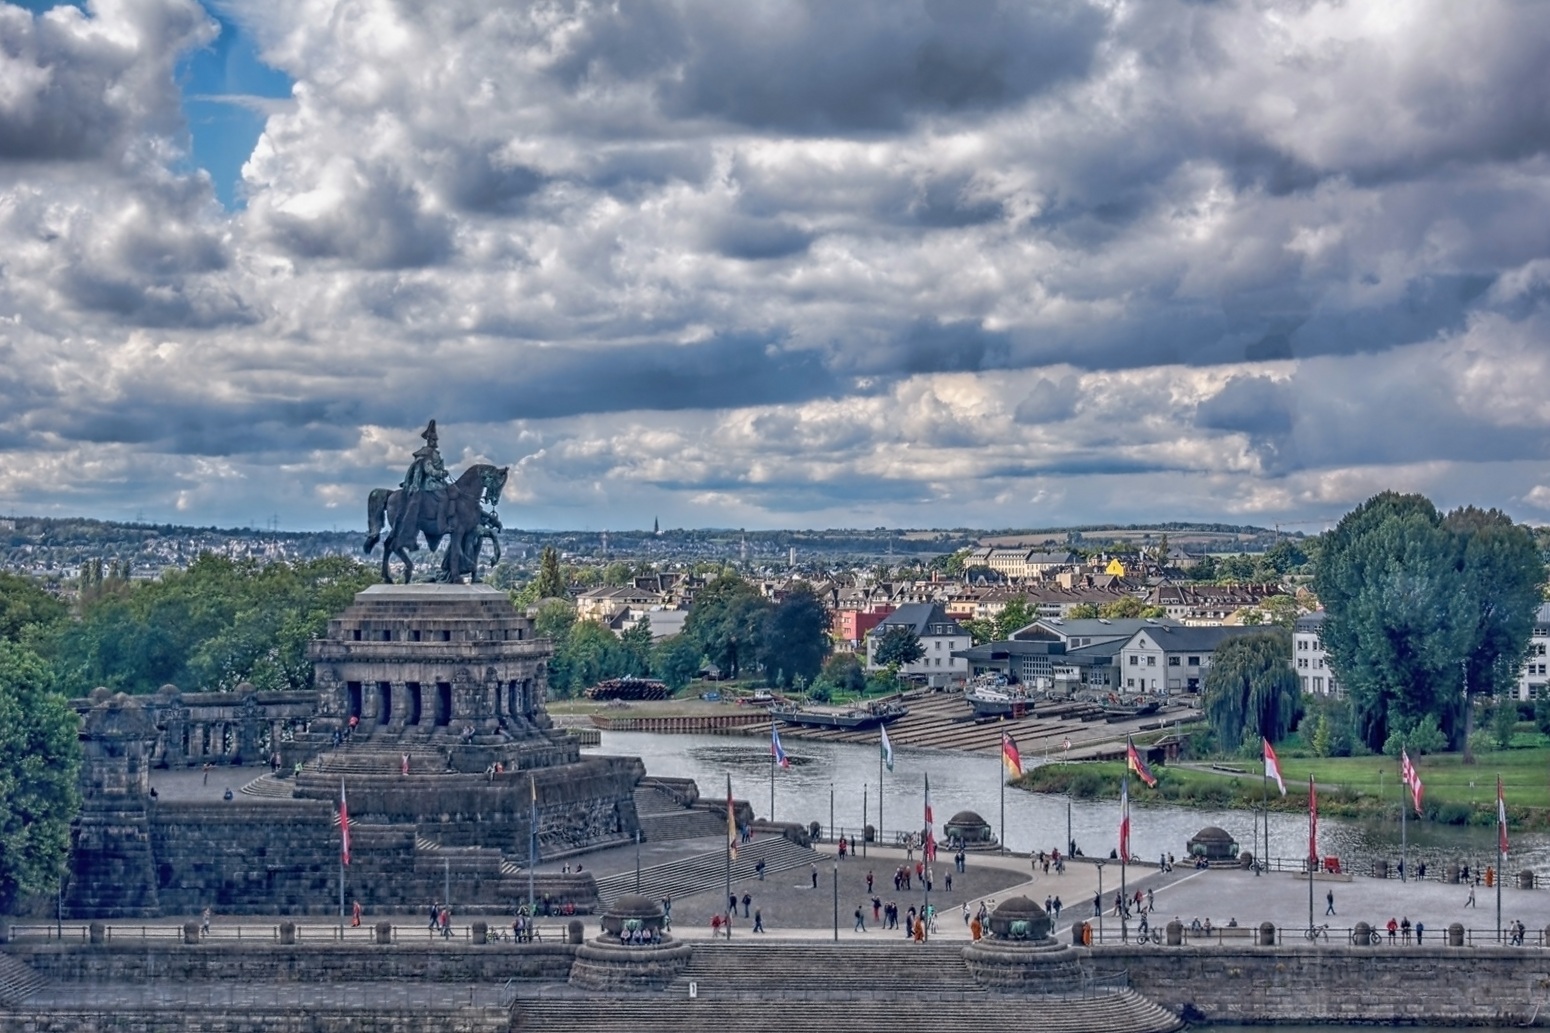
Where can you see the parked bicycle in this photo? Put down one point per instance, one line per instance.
(1318, 932)
(1373, 939)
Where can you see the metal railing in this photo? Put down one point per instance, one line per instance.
(1113, 935)
(226, 932)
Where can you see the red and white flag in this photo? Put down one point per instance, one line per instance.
(1408, 776)
(731, 822)
(1273, 766)
(928, 848)
(1501, 817)
(1124, 819)
(344, 825)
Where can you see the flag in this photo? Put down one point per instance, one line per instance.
(887, 749)
(1273, 766)
(1313, 822)
(1135, 763)
(928, 848)
(775, 747)
(1009, 755)
(731, 822)
(344, 825)
(1501, 817)
(1124, 819)
(1409, 777)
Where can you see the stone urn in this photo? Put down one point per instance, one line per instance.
(1213, 844)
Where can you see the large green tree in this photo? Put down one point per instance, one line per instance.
(900, 647)
(1250, 690)
(39, 759)
(727, 619)
(676, 660)
(796, 638)
(1416, 601)
(1014, 616)
(26, 610)
(218, 623)
(551, 585)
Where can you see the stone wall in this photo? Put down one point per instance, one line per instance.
(262, 1020)
(323, 962)
(1429, 985)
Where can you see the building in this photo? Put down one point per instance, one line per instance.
(605, 603)
(1534, 677)
(1314, 674)
(1018, 564)
(1169, 659)
(941, 637)
(1079, 654)
(849, 628)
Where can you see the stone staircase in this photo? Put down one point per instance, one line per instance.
(784, 969)
(663, 817)
(18, 981)
(707, 871)
(268, 787)
(365, 757)
(1120, 1012)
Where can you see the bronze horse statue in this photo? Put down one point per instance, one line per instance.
(454, 513)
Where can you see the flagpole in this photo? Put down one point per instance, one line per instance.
(1501, 826)
(532, 846)
(1124, 862)
(1264, 808)
(1001, 767)
(865, 803)
(731, 832)
(1313, 847)
(772, 770)
(344, 837)
(880, 790)
(1403, 837)
(925, 846)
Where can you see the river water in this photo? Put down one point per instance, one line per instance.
(848, 774)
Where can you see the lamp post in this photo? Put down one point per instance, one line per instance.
(836, 903)
(1100, 901)
(864, 802)
(637, 861)
(832, 836)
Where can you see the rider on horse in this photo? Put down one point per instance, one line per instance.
(427, 479)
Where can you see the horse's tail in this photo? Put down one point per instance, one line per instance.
(376, 506)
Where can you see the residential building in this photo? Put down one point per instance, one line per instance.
(1207, 605)
(849, 628)
(1534, 676)
(1314, 674)
(940, 636)
(1171, 660)
(605, 603)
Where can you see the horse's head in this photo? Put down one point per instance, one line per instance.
(494, 478)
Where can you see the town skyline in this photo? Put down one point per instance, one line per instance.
(775, 265)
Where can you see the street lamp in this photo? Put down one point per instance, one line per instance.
(1100, 901)
(637, 861)
(864, 802)
(832, 836)
(836, 903)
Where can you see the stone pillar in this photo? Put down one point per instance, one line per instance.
(1267, 934)
(1175, 934)
(97, 933)
(287, 933)
(1453, 874)
(1362, 934)
(190, 932)
(1456, 935)
(1380, 869)
(1525, 880)
(384, 932)
(480, 931)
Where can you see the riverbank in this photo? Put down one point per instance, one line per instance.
(1347, 787)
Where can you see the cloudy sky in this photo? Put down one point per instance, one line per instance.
(775, 264)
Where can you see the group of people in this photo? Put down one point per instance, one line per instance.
(1046, 861)
(1402, 928)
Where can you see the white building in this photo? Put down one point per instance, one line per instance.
(1168, 660)
(1308, 657)
(1534, 677)
(940, 636)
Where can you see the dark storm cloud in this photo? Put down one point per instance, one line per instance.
(150, 415)
(825, 68)
(755, 239)
(1258, 406)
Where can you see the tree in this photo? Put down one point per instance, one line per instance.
(1125, 608)
(1083, 612)
(1250, 690)
(636, 641)
(1418, 603)
(727, 620)
(26, 610)
(900, 647)
(550, 584)
(796, 637)
(1014, 616)
(676, 660)
(39, 759)
(842, 673)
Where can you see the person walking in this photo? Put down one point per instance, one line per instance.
(433, 914)
(355, 915)
(1329, 902)
(758, 920)
(869, 880)
(860, 926)
(815, 876)
(747, 900)
(204, 924)
(1471, 901)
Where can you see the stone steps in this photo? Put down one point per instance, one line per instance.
(852, 968)
(707, 871)
(18, 981)
(1121, 1012)
(268, 787)
(681, 824)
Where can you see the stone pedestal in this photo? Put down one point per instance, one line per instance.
(602, 966)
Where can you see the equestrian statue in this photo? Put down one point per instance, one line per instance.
(431, 503)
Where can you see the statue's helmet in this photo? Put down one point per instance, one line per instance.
(430, 433)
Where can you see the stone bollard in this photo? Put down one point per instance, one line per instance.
(1380, 869)
(1362, 934)
(1175, 934)
(1246, 860)
(1456, 934)
(577, 930)
(1076, 933)
(1267, 934)
(384, 932)
(98, 933)
(1453, 874)
(190, 932)
(288, 933)
(480, 931)
(1525, 880)
(5, 929)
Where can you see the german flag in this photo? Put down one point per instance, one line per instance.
(1009, 755)
(1135, 763)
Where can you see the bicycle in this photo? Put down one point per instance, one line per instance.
(1317, 932)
